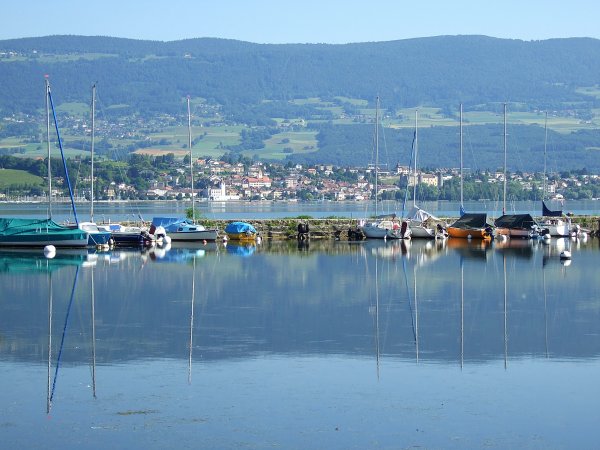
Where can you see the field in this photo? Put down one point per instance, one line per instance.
(212, 140)
(10, 178)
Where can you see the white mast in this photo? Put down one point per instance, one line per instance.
(461, 156)
(504, 196)
(191, 159)
(545, 146)
(416, 151)
(376, 152)
(92, 150)
(48, 140)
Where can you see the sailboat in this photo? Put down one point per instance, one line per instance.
(469, 225)
(184, 229)
(383, 227)
(419, 219)
(16, 232)
(96, 236)
(553, 221)
(513, 225)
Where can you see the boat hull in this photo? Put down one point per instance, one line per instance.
(421, 232)
(16, 232)
(243, 237)
(43, 239)
(468, 233)
(385, 230)
(193, 236)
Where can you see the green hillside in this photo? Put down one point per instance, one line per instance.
(311, 103)
(18, 179)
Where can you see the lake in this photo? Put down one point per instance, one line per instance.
(242, 210)
(331, 345)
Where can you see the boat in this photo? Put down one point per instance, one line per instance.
(552, 222)
(521, 226)
(96, 236)
(385, 226)
(182, 229)
(185, 229)
(473, 225)
(16, 232)
(419, 220)
(241, 231)
(128, 236)
(513, 225)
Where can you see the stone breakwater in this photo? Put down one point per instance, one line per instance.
(281, 229)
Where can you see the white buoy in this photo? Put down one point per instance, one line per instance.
(50, 251)
(258, 240)
(565, 254)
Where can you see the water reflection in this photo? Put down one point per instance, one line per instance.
(445, 301)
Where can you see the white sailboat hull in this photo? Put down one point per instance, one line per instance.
(193, 236)
(421, 232)
(384, 230)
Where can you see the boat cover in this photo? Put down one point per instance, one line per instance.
(14, 226)
(549, 213)
(172, 224)
(471, 220)
(417, 214)
(513, 221)
(239, 227)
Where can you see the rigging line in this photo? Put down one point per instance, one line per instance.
(412, 155)
(62, 154)
(62, 341)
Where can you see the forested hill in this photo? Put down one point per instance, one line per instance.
(153, 76)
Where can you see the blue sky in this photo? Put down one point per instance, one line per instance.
(301, 21)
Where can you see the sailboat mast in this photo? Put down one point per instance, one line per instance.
(48, 141)
(461, 156)
(376, 153)
(92, 151)
(504, 193)
(545, 147)
(416, 152)
(191, 159)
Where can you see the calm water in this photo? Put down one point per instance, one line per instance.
(132, 211)
(332, 346)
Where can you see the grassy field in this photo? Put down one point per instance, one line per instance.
(212, 140)
(10, 178)
(298, 141)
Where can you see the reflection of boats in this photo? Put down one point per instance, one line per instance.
(174, 254)
(516, 247)
(467, 248)
(241, 231)
(21, 260)
(241, 249)
(385, 226)
(389, 249)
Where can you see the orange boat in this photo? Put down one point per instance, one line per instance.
(471, 226)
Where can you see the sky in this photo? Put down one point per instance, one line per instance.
(301, 21)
